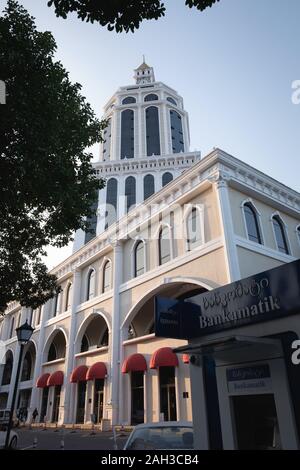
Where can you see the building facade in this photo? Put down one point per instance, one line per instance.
(168, 223)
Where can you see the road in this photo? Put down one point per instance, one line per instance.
(78, 440)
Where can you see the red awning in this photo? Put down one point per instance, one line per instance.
(78, 374)
(186, 358)
(42, 381)
(134, 363)
(163, 357)
(96, 371)
(57, 378)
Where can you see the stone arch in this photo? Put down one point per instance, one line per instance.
(50, 339)
(86, 323)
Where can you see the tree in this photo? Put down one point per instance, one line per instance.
(121, 15)
(46, 177)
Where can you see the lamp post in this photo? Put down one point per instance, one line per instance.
(24, 333)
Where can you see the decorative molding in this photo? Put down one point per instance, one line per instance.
(263, 250)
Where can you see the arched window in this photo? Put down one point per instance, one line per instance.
(84, 344)
(27, 366)
(52, 354)
(12, 330)
(139, 259)
(166, 178)
(6, 377)
(106, 286)
(171, 100)
(127, 134)
(151, 97)
(193, 229)
(280, 234)
(148, 186)
(129, 100)
(104, 338)
(111, 202)
(176, 132)
(152, 131)
(130, 192)
(164, 246)
(107, 141)
(253, 230)
(38, 316)
(90, 285)
(56, 304)
(68, 296)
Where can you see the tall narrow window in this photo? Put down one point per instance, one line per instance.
(107, 141)
(252, 223)
(152, 131)
(176, 132)
(139, 259)
(91, 285)
(30, 317)
(106, 277)
(92, 222)
(130, 192)
(12, 330)
(56, 304)
(127, 134)
(148, 186)
(111, 202)
(38, 316)
(27, 367)
(18, 321)
(164, 246)
(193, 229)
(68, 296)
(280, 235)
(166, 178)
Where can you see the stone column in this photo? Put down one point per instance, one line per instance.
(221, 183)
(115, 345)
(70, 389)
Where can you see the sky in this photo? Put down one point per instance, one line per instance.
(234, 65)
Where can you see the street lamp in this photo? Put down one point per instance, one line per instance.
(24, 333)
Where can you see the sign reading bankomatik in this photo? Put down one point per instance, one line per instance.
(265, 296)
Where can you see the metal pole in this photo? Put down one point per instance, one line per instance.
(14, 398)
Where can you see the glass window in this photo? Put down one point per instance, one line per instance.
(151, 97)
(171, 100)
(12, 330)
(127, 134)
(91, 285)
(104, 338)
(280, 235)
(18, 321)
(252, 223)
(130, 192)
(52, 354)
(166, 178)
(92, 222)
(56, 304)
(152, 131)
(111, 202)
(106, 277)
(84, 344)
(27, 366)
(148, 186)
(68, 297)
(107, 140)
(176, 132)
(6, 377)
(38, 316)
(164, 246)
(139, 259)
(193, 229)
(129, 100)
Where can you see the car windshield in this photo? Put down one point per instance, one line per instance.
(165, 437)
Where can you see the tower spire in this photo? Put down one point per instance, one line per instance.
(144, 73)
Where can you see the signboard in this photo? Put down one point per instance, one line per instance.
(249, 379)
(266, 296)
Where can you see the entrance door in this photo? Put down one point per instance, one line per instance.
(167, 393)
(81, 402)
(56, 401)
(44, 404)
(137, 397)
(256, 422)
(98, 400)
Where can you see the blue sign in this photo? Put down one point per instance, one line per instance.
(248, 373)
(265, 296)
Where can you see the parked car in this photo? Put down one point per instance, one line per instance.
(13, 438)
(165, 435)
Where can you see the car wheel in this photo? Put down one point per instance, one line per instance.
(13, 443)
